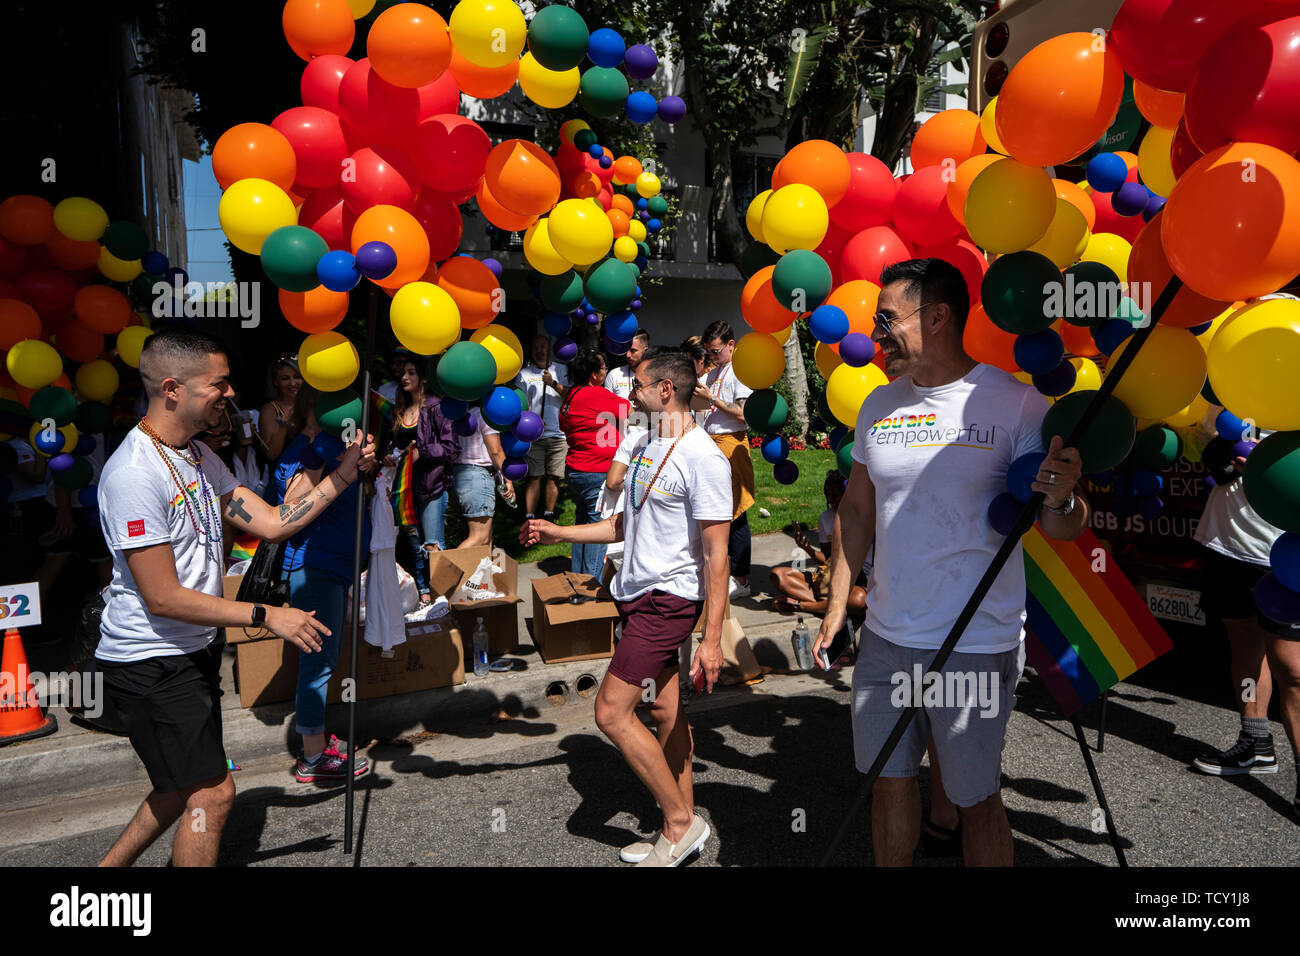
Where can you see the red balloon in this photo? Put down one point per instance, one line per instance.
(49, 292)
(440, 96)
(1183, 152)
(1160, 42)
(460, 198)
(71, 255)
(869, 200)
(832, 251)
(1247, 86)
(318, 144)
(379, 176)
(966, 256)
(374, 111)
(13, 259)
(320, 81)
(1108, 220)
(327, 215)
(441, 221)
(867, 253)
(451, 152)
(79, 342)
(921, 214)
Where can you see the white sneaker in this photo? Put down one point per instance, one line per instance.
(739, 590)
(433, 611)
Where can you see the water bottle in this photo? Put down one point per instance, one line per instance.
(802, 646)
(480, 649)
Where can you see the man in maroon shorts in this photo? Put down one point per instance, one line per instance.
(675, 521)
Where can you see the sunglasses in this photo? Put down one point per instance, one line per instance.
(885, 321)
(637, 386)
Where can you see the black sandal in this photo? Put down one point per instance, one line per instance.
(944, 841)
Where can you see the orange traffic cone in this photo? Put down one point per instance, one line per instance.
(20, 713)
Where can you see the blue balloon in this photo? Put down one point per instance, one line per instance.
(837, 435)
(1106, 172)
(642, 203)
(616, 348)
(376, 260)
(828, 324)
(468, 425)
(89, 496)
(1150, 507)
(502, 408)
(514, 446)
(1058, 381)
(328, 447)
(49, 444)
(1147, 482)
(605, 48)
(1023, 473)
(1201, 330)
(1276, 600)
(1003, 512)
(786, 472)
(176, 276)
(1230, 427)
(1130, 199)
(653, 225)
(641, 107)
(453, 409)
(596, 150)
(6, 488)
(1284, 557)
(621, 326)
(1110, 334)
(154, 263)
(557, 324)
(776, 448)
(85, 445)
(338, 271)
(1039, 352)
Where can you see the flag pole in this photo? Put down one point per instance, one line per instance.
(1024, 521)
(1096, 788)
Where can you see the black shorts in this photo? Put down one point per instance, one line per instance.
(1228, 592)
(171, 707)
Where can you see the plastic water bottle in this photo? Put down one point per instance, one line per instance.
(480, 649)
(802, 646)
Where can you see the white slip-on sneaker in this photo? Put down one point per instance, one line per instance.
(666, 853)
(635, 852)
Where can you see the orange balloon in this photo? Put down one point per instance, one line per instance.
(1160, 107)
(475, 289)
(254, 151)
(72, 255)
(483, 82)
(79, 342)
(858, 300)
(816, 163)
(18, 321)
(959, 185)
(1077, 198)
(759, 306)
(316, 311)
(103, 309)
(584, 185)
(985, 342)
(626, 170)
(1231, 228)
(1148, 267)
(409, 46)
(619, 220)
(522, 177)
(1059, 99)
(26, 220)
(499, 215)
(403, 232)
(1130, 159)
(953, 135)
(623, 204)
(1077, 338)
(316, 27)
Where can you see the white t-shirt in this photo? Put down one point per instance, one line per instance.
(619, 381)
(662, 545)
(938, 456)
(542, 399)
(826, 532)
(472, 450)
(722, 383)
(140, 505)
(1229, 525)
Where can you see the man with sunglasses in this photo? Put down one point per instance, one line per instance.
(931, 450)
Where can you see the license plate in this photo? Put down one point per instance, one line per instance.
(1175, 604)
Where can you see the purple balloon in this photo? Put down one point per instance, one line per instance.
(1241, 449)
(376, 260)
(672, 109)
(494, 265)
(857, 349)
(565, 349)
(634, 305)
(577, 314)
(593, 318)
(61, 463)
(1130, 199)
(1151, 507)
(605, 162)
(640, 62)
(616, 348)
(529, 427)
(1154, 205)
(785, 472)
(515, 469)
(464, 427)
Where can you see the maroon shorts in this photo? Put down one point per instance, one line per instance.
(655, 625)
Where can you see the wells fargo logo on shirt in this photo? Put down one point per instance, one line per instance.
(192, 488)
(926, 431)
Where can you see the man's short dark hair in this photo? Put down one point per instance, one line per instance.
(643, 335)
(174, 353)
(932, 281)
(718, 330)
(674, 366)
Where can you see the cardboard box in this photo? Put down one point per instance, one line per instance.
(565, 631)
(448, 570)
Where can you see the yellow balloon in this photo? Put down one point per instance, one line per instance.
(252, 209)
(97, 380)
(580, 231)
(540, 252)
(1206, 337)
(80, 218)
(1165, 376)
(1189, 416)
(1254, 361)
(569, 128)
(989, 129)
(425, 318)
(625, 249)
(795, 217)
(1066, 236)
(130, 342)
(1009, 206)
(759, 360)
(848, 387)
(69, 433)
(328, 361)
(119, 270)
(636, 229)
(506, 350)
(488, 33)
(647, 185)
(1110, 250)
(360, 8)
(1087, 377)
(1024, 377)
(782, 335)
(754, 214)
(1155, 161)
(827, 359)
(552, 89)
(33, 363)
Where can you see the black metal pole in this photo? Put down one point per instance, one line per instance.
(1027, 516)
(1101, 723)
(1096, 788)
(358, 554)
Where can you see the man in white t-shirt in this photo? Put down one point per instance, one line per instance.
(162, 496)
(931, 450)
(674, 528)
(725, 423)
(619, 380)
(545, 383)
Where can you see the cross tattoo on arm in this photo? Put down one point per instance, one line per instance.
(236, 509)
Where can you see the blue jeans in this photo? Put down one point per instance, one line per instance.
(326, 594)
(585, 486)
(432, 520)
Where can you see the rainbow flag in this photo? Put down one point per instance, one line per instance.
(1087, 629)
(404, 490)
(245, 547)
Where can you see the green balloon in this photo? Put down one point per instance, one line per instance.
(289, 257)
(8, 458)
(801, 280)
(643, 248)
(766, 411)
(523, 400)
(657, 206)
(558, 38)
(757, 256)
(1129, 311)
(844, 455)
(1089, 286)
(1017, 292)
(467, 371)
(125, 240)
(56, 403)
(610, 285)
(334, 410)
(603, 91)
(142, 285)
(584, 139)
(1109, 437)
(562, 293)
(1207, 393)
(1158, 447)
(93, 418)
(78, 476)
(1271, 479)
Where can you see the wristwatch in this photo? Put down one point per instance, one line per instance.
(1064, 510)
(259, 615)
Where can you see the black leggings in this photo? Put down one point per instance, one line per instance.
(738, 546)
(412, 556)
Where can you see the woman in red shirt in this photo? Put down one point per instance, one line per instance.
(591, 418)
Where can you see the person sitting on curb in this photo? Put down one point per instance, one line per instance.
(806, 591)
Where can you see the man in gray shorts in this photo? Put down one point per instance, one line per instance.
(545, 383)
(931, 450)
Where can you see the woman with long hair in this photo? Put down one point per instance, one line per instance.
(283, 381)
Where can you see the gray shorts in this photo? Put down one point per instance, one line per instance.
(966, 713)
(546, 457)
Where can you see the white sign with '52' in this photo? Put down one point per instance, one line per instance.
(20, 605)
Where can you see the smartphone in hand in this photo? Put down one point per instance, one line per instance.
(699, 682)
